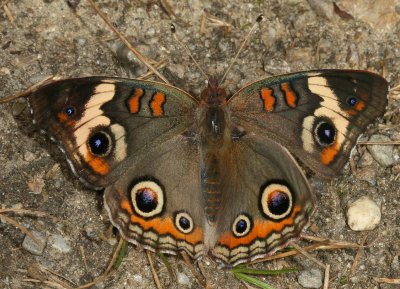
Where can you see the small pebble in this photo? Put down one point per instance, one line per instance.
(31, 246)
(59, 243)
(363, 215)
(183, 279)
(383, 154)
(310, 278)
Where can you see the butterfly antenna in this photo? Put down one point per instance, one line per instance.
(258, 20)
(173, 30)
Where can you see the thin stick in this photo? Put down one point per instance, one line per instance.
(358, 255)
(258, 20)
(29, 90)
(386, 280)
(114, 257)
(126, 42)
(200, 279)
(326, 278)
(84, 257)
(368, 142)
(303, 252)
(322, 246)
(153, 270)
(4, 3)
(9, 14)
(21, 228)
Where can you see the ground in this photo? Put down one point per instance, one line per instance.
(48, 37)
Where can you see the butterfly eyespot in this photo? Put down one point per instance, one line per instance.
(325, 133)
(276, 201)
(147, 199)
(70, 111)
(242, 226)
(100, 143)
(184, 222)
(351, 100)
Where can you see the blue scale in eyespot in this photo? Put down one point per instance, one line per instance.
(184, 223)
(352, 101)
(241, 226)
(69, 111)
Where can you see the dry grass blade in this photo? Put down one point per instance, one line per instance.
(29, 90)
(9, 14)
(378, 142)
(386, 280)
(126, 42)
(108, 272)
(199, 278)
(23, 229)
(49, 284)
(114, 257)
(326, 277)
(358, 255)
(153, 270)
(324, 244)
(5, 2)
(26, 212)
(304, 253)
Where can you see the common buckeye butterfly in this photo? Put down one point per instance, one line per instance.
(211, 174)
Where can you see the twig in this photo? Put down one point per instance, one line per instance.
(9, 14)
(369, 142)
(114, 257)
(126, 42)
(199, 278)
(21, 228)
(84, 258)
(304, 253)
(29, 90)
(326, 278)
(358, 255)
(325, 245)
(153, 270)
(386, 280)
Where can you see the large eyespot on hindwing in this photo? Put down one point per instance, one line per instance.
(242, 225)
(147, 197)
(276, 201)
(183, 222)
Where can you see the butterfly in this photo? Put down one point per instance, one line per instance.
(210, 175)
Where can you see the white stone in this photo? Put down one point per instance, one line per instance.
(183, 279)
(363, 215)
(310, 278)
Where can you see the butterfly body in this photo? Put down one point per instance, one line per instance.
(210, 175)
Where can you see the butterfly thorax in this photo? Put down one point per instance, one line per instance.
(215, 139)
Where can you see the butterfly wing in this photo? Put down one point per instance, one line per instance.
(103, 125)
(158, 202)
(317, 115)
(266, 201)
(135, 138)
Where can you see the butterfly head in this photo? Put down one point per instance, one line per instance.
(213, 95)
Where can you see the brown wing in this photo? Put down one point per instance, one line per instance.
(317, 115)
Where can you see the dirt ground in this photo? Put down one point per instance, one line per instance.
(47, 37)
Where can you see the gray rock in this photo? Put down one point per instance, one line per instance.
(60, 243)
(33, 247)
(183, 279)
(310, 278)
(383, 154)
